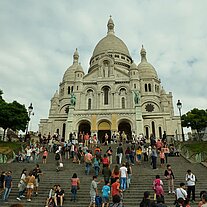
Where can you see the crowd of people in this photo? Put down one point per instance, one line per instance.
(113, 168)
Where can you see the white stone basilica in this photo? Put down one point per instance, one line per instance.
(115, 95)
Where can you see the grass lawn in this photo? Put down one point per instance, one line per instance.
(196, 147)
(13, 146)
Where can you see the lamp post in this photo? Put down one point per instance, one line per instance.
(30, 109)
(179, 105)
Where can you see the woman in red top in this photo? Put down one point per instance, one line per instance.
(105, 161)
(44, 156)
(115, 174)
(75, 183)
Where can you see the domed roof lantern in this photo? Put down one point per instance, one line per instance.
(110, 26)
(143, 54)
(75, 56)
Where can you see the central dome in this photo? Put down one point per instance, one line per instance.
(111, 43)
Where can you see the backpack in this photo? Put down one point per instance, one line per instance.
(98, 201)
(57, 156)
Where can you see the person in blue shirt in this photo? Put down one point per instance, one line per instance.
(105, 194)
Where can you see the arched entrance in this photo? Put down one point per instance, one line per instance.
(84, 127)
(124, 126)
(103, 128)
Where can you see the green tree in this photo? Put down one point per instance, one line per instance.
(196, 119)
(13, 116)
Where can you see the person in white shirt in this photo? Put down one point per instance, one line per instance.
(181, 192)
(190, 182)
(123, 177)
(28, 153)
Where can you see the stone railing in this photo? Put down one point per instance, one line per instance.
(6, 154)
(192, 156)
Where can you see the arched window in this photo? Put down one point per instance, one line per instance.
(89, 104)
(77, 88)
(153, 128)
(123, 103)
(106, 95)
(149, 87)
(145, 86)
(68, 89)
(135, 85)
(71, 88)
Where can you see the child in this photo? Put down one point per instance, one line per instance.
(105, 194)
(162, 158)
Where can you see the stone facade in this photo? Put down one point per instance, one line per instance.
(115, 95)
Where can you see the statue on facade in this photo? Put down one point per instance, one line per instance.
(136, 97)
(72, 99)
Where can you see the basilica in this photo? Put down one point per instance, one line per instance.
(114, 95)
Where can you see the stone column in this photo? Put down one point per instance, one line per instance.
(69, 122)
(139, 119)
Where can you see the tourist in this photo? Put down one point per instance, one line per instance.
(109, 152)
(28, 153)
(146, 154)
(203, 192)
(88, 160)
(166, 151)
(96, 165)
(106, 173)
(190, 183)
(115, 188)
(58, 159)
(154, 157)
(127, 153)
(116, 201)
(22, 185)
(52, 200)
(94, 191)
(80, 155)
(162, 158)
(129, 173)
(7, 185)
(158, 188)
(146, 201)
(30, 179)
(105, 161)
(159, 145)
(160, 202)
(3, 174)
(139, 154)
(132, 154)
(37, 172)
(115, 174)
(123, 176)
(36, 153)
(86, 139)
(60, 196)
(119, 153)
(105, 194)
(75, 185)
(169, 176)
(106, 137)
(44, 156)
(181, 192)
(204, 200)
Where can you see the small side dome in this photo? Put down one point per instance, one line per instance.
(146, 70)
(133, 66)
(70, 72)
(79, 68)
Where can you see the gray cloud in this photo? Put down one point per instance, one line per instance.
(38, 39)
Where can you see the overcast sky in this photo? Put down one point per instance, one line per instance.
(38, 39)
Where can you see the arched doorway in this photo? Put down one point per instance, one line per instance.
(103, 128)
(124, 126)
(84, 127)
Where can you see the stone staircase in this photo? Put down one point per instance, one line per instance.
(142, 179)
